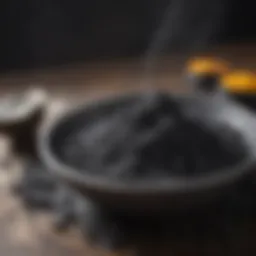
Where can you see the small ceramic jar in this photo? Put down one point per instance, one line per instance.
(20, 116)
(203, 74)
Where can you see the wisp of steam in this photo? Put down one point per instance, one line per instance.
(187, 27)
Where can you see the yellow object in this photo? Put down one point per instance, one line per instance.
(239, 81)
(210, 66)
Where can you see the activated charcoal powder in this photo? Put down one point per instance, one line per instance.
(155, 135)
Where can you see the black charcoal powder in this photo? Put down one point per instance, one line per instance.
(155, 136)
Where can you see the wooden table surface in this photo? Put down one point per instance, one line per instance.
(23, 233)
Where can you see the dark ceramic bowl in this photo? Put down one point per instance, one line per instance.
(206, 83)
(148, 196)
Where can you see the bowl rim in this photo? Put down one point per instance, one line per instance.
(176, 185)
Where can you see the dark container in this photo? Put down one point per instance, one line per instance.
(149, 197)
(20, 117)
(203, 74)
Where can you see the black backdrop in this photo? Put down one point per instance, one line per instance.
(38, 33)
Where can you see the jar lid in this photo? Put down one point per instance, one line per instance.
(239, 81)
(212, 66)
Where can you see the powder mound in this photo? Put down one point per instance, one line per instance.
(155, 136)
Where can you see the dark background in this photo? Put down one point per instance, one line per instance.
(38, 33)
